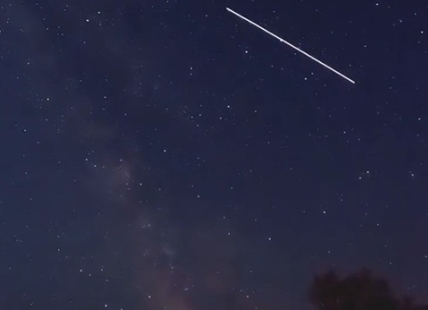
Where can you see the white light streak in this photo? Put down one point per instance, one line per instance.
(291, 45)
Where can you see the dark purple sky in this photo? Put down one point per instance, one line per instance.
(168, 154)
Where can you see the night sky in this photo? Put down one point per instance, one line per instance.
(169, 155)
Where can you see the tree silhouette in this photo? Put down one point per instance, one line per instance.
(358, 291)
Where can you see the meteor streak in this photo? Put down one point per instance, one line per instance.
(291, 45)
